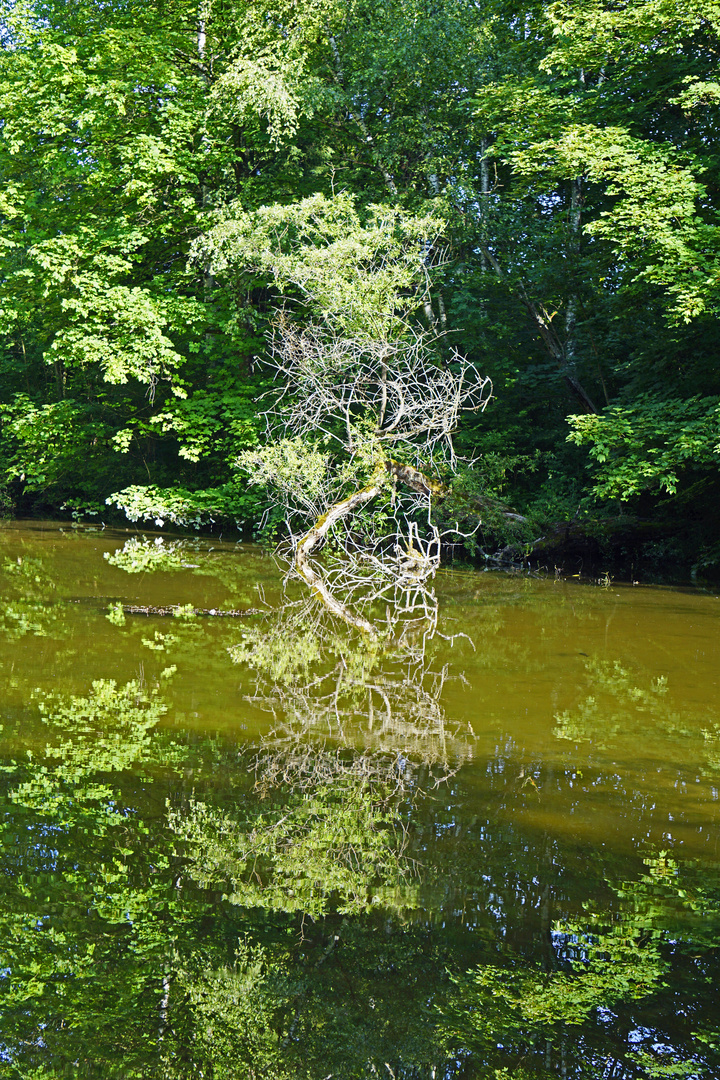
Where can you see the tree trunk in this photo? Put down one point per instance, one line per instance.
(315, 537)
(357, 119)
(573, 251)
(543, 324)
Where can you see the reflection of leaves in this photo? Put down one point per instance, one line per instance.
(138, 555)
(515, 1006)
(115, 614)
(659, 1066)
(368, 694)
(238, 1013)
(512, 1009)
(105, 732)
(112, 948)
(29, 612)
(19, 619)
(121, 966)
(281, 658)
(159, 642)
(617, 706)
(335, 845)
(29, 574)
(682, 900)
(326, 1008)
(84, 898)
(712, 747)
(520, 1001)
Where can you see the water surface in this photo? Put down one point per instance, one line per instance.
(256, 844)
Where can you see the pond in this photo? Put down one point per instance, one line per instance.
(242, 840)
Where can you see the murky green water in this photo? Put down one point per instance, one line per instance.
(257, 846)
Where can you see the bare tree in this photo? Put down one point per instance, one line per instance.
(360, 432)
(366, 402)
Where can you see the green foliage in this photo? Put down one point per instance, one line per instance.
(476, 505)
(42, 445)
(238, 1012)
(351, 271)
(182, 506)
(105, 732)
(521, 1003)
(291, 465)
(26, 587)
(210, 422)
(116, 614)
(649, 444)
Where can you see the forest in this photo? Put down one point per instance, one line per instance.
(246, 246)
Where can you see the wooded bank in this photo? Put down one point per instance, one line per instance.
(189, 188)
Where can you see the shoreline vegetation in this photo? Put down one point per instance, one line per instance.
(623, 548)
(563, 555)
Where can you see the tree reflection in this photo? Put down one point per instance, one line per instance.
(122, 959)
(619, 704)
(26, 608)
(380, 697)
(329, 845)
(329, 901)
(359, 727)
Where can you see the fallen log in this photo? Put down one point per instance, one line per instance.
(150, 609)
